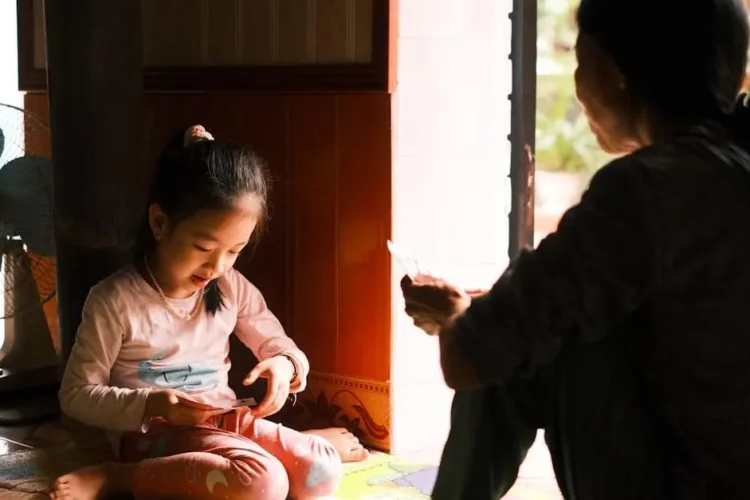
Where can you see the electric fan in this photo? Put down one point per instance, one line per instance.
(28, 358)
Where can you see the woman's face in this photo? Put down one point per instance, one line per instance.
(602, 92)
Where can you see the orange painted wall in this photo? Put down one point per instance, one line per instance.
(323, 265)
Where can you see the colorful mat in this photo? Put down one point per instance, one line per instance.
(385, 477)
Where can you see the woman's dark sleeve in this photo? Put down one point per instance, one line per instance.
(584, 278)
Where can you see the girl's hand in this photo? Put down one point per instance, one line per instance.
(178, 408)
(433, 303)
(279, 371)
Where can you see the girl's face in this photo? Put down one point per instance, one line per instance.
(201, 247)
(602, 92)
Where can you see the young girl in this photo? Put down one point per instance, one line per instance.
(150, 361)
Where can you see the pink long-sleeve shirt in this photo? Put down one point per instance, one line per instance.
(130, 344)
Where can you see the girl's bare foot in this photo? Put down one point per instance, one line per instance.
(92, 483)
(346, 443)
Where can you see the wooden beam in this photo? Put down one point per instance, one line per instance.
(522, 125)
(95, 95)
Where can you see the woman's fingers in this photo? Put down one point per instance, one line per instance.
(406, 282)
(428, 326)
(420, 311)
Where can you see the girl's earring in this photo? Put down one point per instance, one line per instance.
(157, 238)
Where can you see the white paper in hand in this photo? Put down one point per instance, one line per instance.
(409, 264)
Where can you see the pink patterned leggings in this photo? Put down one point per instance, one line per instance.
(231, 456)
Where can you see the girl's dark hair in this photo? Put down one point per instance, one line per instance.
(683, 59)
(206, 175)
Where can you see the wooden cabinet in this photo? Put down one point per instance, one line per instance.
(255, 45)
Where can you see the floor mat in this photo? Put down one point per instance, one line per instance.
(385, 477)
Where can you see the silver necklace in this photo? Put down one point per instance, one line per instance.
(180, 314)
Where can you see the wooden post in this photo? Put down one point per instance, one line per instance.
(94, 71)
(523, 125)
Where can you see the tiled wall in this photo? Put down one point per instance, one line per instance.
(323, 266)
(451, 195)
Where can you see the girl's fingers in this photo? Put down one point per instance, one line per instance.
(273, 391)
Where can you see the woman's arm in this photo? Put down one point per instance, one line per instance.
(586, 277)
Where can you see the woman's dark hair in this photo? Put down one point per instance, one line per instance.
(683, 59)
(206, 175)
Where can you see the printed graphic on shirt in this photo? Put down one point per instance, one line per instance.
(182, 377)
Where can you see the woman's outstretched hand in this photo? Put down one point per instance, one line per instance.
(279, 371)
(433, 303)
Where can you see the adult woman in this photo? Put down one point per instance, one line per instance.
(624, 334)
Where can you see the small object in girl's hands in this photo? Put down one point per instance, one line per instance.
(411, 265)
(237, 403)
(195, 404)
(249, 402)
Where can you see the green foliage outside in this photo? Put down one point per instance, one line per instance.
(564, 142)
